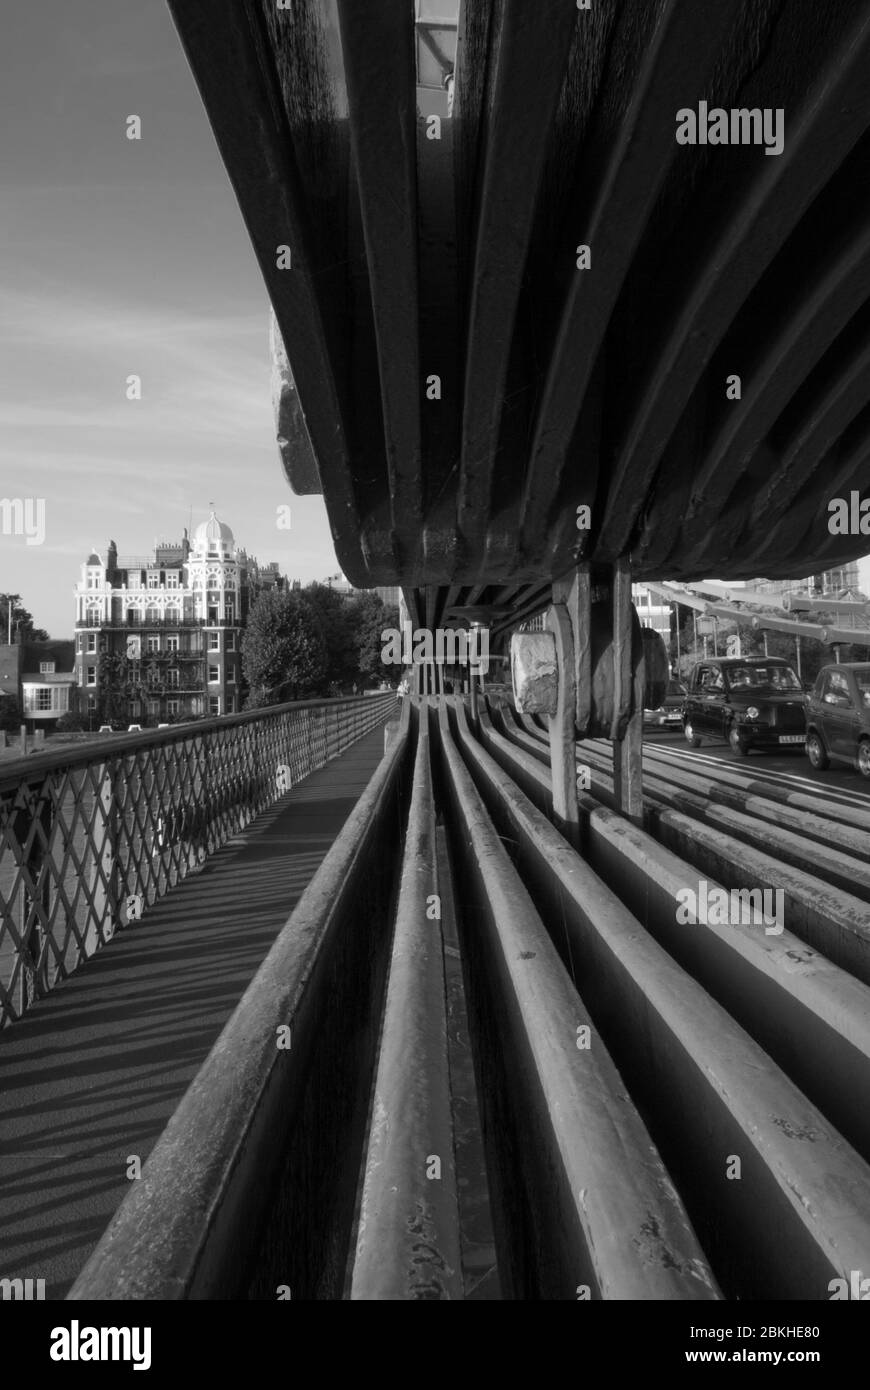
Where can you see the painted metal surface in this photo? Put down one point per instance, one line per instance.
(559, 386)
(589, 1180)
(800, 1211)
(408, 1233)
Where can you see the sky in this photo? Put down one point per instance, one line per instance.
(122, 257)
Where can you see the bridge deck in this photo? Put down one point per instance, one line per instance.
(91, 1075)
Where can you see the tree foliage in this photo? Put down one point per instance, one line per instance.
(371, 618)
(336, 618)
(23, 629)
(284, 651)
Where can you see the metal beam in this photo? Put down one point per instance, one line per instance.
(378, 46)
(750, 230)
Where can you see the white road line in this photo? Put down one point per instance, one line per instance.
(772, 774)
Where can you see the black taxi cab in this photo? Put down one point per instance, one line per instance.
(752, 702)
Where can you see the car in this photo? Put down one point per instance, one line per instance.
(670, 711)
(838, 717)
(752, 702)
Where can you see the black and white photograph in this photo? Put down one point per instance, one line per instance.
(434, 674)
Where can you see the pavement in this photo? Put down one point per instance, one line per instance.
(90, 1076)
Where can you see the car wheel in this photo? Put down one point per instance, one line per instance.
(815, 750)
(864, 757)
(738, 742)
(691, 737)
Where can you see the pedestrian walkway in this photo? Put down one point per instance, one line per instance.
(90, 1076)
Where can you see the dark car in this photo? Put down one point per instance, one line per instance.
(753, 702)
(838, 717)
(670, 712)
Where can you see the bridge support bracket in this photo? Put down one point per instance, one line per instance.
(563, 752)
(627, 727)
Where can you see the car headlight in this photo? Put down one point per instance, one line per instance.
(752, 712)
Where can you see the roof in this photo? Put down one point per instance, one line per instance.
(560, 386)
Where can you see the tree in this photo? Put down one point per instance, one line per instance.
(370, 619)
(22, 621)
(284, 653)
(334, 612)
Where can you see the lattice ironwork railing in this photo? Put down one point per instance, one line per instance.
(89, 839)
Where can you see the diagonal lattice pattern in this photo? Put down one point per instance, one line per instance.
(87, 843)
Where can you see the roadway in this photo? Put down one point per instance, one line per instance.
(789, 766)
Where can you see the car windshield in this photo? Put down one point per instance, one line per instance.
(763, 677)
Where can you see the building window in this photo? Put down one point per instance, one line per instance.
(214, 674)
(153, 645)
(136, 708)
(153, 579)
(46, 668)
(212, 615)
(92, 702)
(214, 641)
(153, 677)
(213, 581)
(231, 641)
(92, 675)
(92, 641)
(133, 616)
(172, 679)
(171, 579)
(153, 615)
(153, 709)
(214, 704)
(172, 644)
(173, 706)
(93, 618)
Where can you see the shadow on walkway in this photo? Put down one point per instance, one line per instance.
(91, 1075)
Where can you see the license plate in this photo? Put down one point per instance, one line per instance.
(792, 738)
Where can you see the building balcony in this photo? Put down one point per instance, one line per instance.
(137, 625)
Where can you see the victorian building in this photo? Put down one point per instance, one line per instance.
(159, 638)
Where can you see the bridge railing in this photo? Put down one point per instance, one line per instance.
(90, 838)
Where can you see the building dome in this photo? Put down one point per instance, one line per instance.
(212, 531)
(93, 559)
